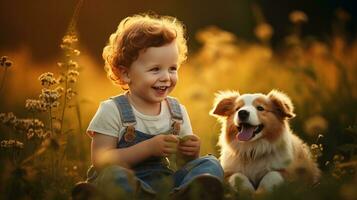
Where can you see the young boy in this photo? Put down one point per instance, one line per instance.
(137, 135)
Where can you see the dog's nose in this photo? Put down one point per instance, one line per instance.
(243, 115)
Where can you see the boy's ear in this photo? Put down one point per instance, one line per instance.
(124, 74)
(225, 103)
(282, 103)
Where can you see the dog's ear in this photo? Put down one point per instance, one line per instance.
(224, 103)
(282, 104)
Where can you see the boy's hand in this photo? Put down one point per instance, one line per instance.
(163, 145)
(190, 145)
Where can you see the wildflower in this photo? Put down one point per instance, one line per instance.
(39, 133)
(298, 17)
(69, 39)
(22, 125)
(72, 76)
(5, 62)
(42, 134)
(3, 59)
(72, 64)
(76, 52)
(36, 123)
(7, 118)
(34, 105)
(55, 104)
(11, 144)
(338, 171)
(30, 133)
(47, 79)
(60, 64)
(315, 125)
(59, 89)
(70, 93)
(316, 150)
(61, 79)
(263, 31)
(50, 97)
(72, 79)
(73, 73)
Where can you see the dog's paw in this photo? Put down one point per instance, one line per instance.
(239, 181)
(269, 181)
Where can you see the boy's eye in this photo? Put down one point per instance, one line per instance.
(154, 69)
(260, 108)
(174, 68)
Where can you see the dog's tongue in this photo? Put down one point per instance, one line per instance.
(246, 133)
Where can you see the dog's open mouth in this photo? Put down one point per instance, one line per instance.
(247, 131)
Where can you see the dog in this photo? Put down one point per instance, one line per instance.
(258, 149)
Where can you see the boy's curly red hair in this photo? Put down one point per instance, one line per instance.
(137, 33)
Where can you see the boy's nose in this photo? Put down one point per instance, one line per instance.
(165, 76)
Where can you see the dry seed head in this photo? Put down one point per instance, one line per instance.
(72, 73)
(69, 39)
(61, 79)
(316, 150)
(76, 52)
(30, 133)
(11, 144)
(49, 96)
(7, 118)
(72, 79)
(47, 79)
(34, 105)
(59, 89)
(3, 59)
(73, 64)
(5, 62)
(71, 93)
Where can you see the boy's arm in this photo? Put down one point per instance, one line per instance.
(105, 151)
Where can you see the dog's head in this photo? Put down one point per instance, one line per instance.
(250, 117)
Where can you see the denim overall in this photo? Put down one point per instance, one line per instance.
(149, 174)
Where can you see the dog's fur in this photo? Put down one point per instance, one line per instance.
(259, 161)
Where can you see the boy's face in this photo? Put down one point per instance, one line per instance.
(154, 74)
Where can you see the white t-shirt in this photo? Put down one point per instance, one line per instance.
(107, 121)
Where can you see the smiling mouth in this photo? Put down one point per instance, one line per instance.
(247, 131)
(161, 87)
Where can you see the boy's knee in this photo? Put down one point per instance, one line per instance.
(211, 160)
(211, 165)
(116, 180)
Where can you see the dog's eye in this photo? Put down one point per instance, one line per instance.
(260, 108)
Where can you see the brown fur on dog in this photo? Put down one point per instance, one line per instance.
(257, 145)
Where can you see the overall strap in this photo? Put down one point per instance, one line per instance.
(127, 116)
(176, 114)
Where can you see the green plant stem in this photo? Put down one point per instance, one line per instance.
(3, 80)
(51, 125)
(65, 98)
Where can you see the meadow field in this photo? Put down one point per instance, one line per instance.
(45, 110)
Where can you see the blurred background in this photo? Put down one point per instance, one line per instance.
(305, 48)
